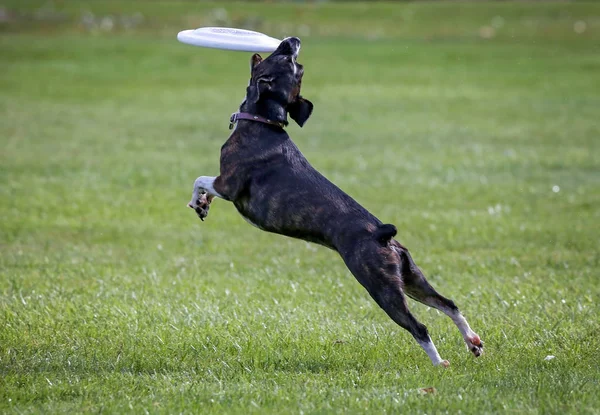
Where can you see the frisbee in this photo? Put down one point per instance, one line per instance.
(229, 38)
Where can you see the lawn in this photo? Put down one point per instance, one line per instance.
(473, 127)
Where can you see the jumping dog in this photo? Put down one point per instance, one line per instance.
(274, 187)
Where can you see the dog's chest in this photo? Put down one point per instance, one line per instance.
(247, 219)
(245, 212)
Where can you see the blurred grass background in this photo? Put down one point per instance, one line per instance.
(472, 126)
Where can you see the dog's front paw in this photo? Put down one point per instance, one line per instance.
(474, 344)
(201, 205)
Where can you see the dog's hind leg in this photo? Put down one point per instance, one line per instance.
(376, 267)
(202, 195)
(418, 288)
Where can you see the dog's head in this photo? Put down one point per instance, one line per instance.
(277, 79)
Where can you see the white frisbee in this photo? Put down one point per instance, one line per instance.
(229, 38)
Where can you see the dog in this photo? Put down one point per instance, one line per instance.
(274, 187)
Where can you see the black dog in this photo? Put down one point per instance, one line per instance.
(274, 188)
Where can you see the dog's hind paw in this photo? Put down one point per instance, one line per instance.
(201, 205)
(475, 345)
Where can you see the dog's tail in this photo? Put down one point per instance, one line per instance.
(385, 233)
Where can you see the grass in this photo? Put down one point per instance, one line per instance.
(484, 152)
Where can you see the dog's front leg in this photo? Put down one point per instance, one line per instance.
(203, 194)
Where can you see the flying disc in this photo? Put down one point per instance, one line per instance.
(229, 38)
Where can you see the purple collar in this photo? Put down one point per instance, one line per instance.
(251, 117)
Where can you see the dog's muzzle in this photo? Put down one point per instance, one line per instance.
(289, 46)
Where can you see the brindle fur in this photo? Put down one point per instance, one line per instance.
(275, 188)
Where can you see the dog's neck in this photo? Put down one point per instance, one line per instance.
(266, 108)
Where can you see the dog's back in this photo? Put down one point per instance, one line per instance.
(284, 194)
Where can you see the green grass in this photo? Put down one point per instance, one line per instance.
(114, 298)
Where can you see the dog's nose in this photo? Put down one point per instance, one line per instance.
(289, 46)
(294, 43)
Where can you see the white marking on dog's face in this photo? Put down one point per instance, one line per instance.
(294, 65)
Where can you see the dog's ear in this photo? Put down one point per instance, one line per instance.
(300, 110)
(255, 60)
(257, 88)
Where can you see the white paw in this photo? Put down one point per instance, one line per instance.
(474, 344)
(201, 205)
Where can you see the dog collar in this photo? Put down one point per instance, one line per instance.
(251, 117)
